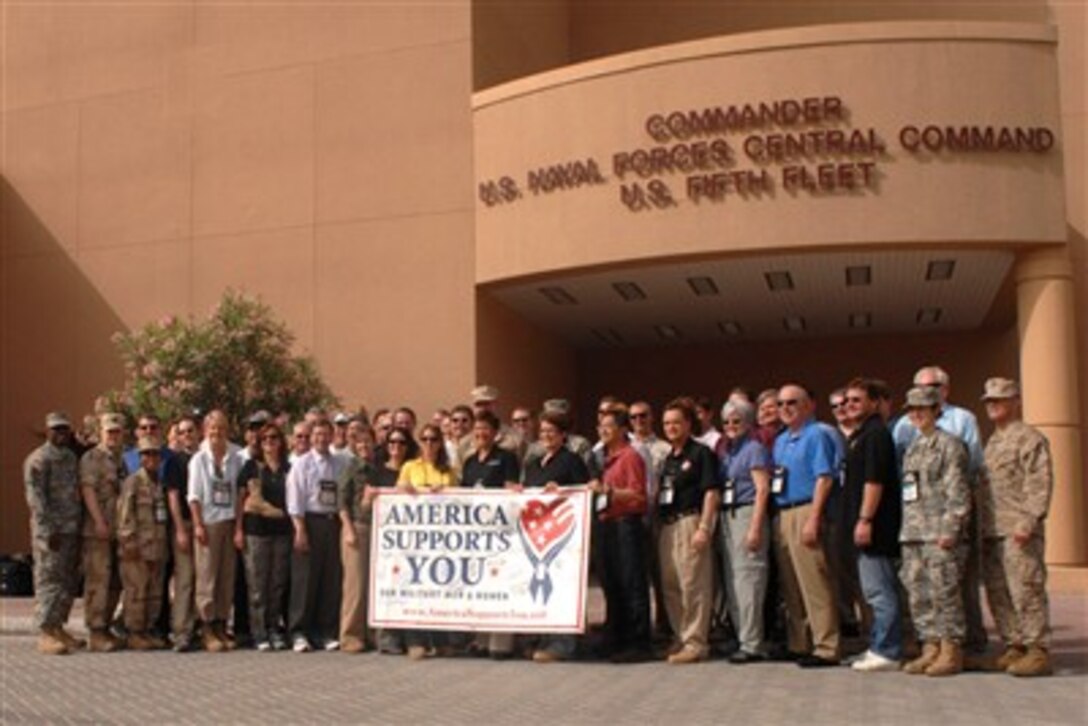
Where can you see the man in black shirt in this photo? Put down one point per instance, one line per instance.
(688, 502)
(488, 466)
(872, 510)
(176, 480)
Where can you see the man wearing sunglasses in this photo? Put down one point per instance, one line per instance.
(805, 463)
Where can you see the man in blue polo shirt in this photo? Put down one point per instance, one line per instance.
(805, 463)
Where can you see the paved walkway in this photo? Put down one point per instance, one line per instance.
(251, 687)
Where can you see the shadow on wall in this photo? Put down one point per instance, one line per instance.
(55, 350)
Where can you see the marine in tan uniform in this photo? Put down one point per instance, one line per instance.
(100, 473)
(1013, 500)
(51, 477)
(936, 504)
(141, 534)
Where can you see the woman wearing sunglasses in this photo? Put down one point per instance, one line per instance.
(429, 472)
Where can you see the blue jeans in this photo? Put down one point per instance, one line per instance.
(880, 588)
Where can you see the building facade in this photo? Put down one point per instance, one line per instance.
(564, 198)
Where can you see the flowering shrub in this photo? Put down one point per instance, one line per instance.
(239, 359)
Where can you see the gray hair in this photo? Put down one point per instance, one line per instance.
(939, 374)
(739, 407)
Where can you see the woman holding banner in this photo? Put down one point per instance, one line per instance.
(558, 467)
(389, 458)
(430, 472)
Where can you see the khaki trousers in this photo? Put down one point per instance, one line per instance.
(215, 564)
(687, 582)
(102, 582)
(182, 610)
(353, 605)
(806, 587)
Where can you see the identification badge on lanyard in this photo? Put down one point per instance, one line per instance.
(160, 511)
(221, 493)
(729, 493)
(778, 480)
(327, 496)
(910, 486)
(601, 502)
(842, 475)
(664, 497)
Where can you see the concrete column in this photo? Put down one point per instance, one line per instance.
(1048, 378)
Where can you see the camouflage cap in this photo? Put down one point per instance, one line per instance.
(922, 397)
(147, 444)
(341, 419)
(259, 418)
(111, 422)
(999, 388)
(484, 394)
(57, 419)
(557, 405)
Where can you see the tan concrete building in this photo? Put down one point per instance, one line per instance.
(560, 197)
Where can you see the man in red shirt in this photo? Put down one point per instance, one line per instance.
(620, 504)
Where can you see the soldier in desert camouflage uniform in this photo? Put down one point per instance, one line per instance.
(100, 473)
(935, 506)
(52, 495)
(141, 533)
(1013, 503)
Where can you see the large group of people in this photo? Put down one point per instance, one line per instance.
(785, 532)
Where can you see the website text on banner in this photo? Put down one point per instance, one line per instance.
(483, 560)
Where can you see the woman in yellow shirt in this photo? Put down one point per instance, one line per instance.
(430, 472)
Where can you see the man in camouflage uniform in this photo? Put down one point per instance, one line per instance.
(1013, 503)
(52, 494)
(100, 473)
(936, 504)
(141, 534)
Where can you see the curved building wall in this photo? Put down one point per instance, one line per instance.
(869, 134)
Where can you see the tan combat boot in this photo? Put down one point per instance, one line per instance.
(212, 644)
(1012, 654)
(949, 662)
(101, 642)
(140, 641)
(1036, 662)
(70, 640)
(50, 643)
(219, 629)
(918, 666)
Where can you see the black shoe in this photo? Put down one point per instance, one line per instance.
(815, 661)
(742, 657)
(500, 655)
(785, 656)
(631, 655)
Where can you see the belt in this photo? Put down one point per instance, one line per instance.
(735, 507)
(677, 516)
(323, 515)
(784, 507)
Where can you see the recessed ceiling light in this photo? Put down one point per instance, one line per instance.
(859, 275)
(667, 332)
(702, 286)
(558, 296)
(629, 291)
(729, 327)
(928, 316)
(860, 320)
(793, 323)
(778, 281)
(938, 270)
(608, 336)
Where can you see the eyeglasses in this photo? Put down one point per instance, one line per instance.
(148, 427)
(788, 402)
(459, 419)
(853, 399)
(304, 437)
(837, 406)
(271, 437)
(187, 431)
(398, 442)
(521, 419)
(429, 439)
(639, 414)
(733, 422)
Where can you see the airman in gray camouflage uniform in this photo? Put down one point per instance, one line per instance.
(52, 494)
(936, 503)
(1013, 503)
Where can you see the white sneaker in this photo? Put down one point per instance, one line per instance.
(301, 645)
(874, 663)
(331, 645)
(264, 646)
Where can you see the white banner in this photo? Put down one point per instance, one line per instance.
(478, 559)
